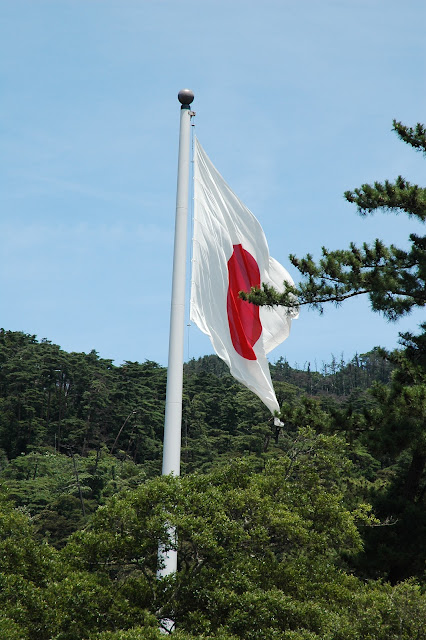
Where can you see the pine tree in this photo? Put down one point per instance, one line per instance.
(394, 279)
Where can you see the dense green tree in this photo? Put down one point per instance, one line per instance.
(44, 597)
(75, 402)
(61, 491)
(396, 436)
(261, 554)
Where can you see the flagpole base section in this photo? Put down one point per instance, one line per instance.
(167, 560)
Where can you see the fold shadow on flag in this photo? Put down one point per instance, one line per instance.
(230, 254)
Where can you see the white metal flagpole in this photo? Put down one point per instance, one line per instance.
(173, 416)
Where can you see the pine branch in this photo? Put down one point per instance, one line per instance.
(416, 137)
(394, 279)
(400, 195)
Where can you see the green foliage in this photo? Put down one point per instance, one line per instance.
(222, 420)
(415, 137)
(62, 485)
(137, 633)
(395, 435)
(245, 539)
(393, 278)
(42, 597)
(60, 491)
(261, 554)
(75, 402)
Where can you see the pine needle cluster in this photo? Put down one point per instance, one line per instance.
(393, 278)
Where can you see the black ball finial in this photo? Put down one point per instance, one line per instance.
(185, 96)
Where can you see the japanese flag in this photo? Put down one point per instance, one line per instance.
(230, 254)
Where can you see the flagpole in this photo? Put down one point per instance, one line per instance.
(173, 415)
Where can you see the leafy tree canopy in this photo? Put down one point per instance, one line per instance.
(261, 554)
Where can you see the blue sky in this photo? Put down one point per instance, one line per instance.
(294, 104)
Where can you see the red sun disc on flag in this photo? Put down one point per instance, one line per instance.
(243, 318)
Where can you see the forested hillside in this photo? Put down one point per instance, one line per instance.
(264, 507)
(74, 403)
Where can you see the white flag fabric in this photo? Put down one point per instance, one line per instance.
(230, 254)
